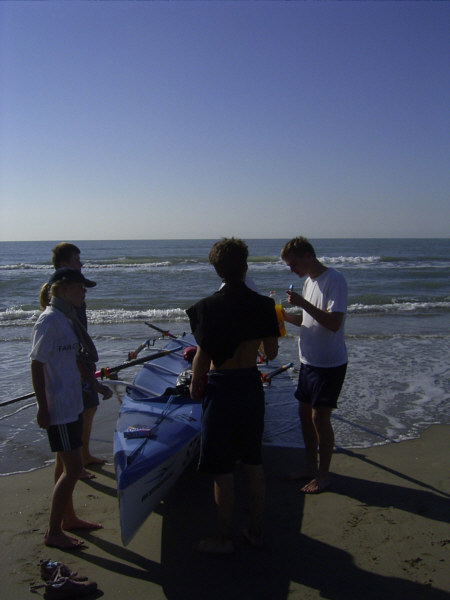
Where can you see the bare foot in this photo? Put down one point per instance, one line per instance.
(80, 524)
(86, 475)
(299, 475)
(94, 460)
(215, 546)
(62, 541)
(316, 486)
(254, 540)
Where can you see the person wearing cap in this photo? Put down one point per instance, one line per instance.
(66, 254)
(57, 336)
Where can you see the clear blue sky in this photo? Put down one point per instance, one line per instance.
(124, 120)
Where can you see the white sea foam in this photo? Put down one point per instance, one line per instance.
(20, 317)
(398, 307)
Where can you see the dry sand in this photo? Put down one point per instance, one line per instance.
(381, 532)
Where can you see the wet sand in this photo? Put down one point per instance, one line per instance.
(381, 531)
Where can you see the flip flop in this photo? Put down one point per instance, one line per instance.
(50, 568)
(62, 588)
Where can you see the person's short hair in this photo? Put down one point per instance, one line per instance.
(69, 275)
(229, 258)
(62, 253)
(299, 246)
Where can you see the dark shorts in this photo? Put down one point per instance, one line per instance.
(320, 386)
(66, 437)
(232, 420)
(90, 397)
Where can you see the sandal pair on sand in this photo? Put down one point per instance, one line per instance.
(61, 582)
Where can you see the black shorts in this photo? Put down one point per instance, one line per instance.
(90, 397)
(66, 437)
(232, 420)
(320, 386)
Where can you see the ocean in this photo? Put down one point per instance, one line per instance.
(397, 328)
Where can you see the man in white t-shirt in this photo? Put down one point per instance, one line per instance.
(323, 356)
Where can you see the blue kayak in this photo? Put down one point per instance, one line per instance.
(158, 430)
(157, 435)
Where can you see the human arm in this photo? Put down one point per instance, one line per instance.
(87, 376)
(293, 319)
(329, 320)
(38, 380)
(200, 366)
(270, 347)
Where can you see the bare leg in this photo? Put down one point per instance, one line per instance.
(256, 489)
(62, 498)
(322, 423)
(222, 543)
(70, 520)
(311, 444)
(88, 418)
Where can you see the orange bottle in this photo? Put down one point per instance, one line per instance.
(279, 312)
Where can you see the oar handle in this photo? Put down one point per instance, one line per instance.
(24, 397)
(107, 371)
(166, 333)
(268, 376)
(132, 355)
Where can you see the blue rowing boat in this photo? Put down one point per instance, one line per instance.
(158, 429)
(157, 435)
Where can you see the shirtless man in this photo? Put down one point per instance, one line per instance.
(229, 328)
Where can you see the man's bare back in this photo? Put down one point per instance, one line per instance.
(247, 353)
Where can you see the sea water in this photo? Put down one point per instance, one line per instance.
(397, 328)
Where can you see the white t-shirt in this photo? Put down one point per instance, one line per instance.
(55, 344)
(318, 346)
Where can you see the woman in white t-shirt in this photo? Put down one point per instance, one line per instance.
(57, 385)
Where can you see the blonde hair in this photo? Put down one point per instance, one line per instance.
(48, 290)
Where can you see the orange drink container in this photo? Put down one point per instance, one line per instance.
(280, 318)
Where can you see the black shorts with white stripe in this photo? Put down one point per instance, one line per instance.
(67, 436)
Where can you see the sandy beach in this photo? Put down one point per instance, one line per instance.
(382, 531)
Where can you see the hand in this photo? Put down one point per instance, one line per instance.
(197, 389)
(43, 418)
(104, 390)
(294, 298)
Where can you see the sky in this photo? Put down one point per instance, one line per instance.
(165, 120)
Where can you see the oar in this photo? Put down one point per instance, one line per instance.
(133, 386)
(154, 427)
(165, 333)
(132, 355)
(107, 371)
(266, 377)
(24, 397)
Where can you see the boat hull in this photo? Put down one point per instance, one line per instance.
(147, 467)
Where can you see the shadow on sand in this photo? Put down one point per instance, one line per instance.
(287, 558)
(287, 555)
